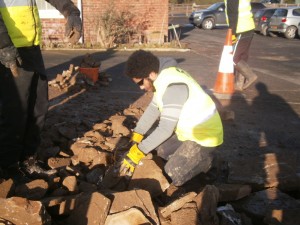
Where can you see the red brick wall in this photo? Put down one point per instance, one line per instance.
(53, 30)
(156, 11)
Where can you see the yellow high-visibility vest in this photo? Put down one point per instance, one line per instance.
(245, 17)
(199, 120)
(22, 21)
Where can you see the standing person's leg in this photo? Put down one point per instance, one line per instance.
(240, 58)
(189, 160)
(37, 109)
(37, 100)
(14, 94)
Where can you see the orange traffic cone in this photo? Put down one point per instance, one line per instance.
(224, 85)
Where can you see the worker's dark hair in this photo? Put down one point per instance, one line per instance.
(140, 64)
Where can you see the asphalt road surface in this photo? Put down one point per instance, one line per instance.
(275, 60)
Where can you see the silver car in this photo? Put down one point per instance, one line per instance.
(285, 21)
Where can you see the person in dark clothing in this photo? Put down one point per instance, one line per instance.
(23, 81)
(189, 127)
(240, 20)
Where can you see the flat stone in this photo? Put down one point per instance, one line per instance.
(34, 190)
(87, 154)
(90, 209)
(131, 216)
(96, 135)
(6, 188)
(149, 176)
(22, 211)
(140, 199)
(177, 204)
(57, 162)
(70, 183)
(185, 216)
(117, 125)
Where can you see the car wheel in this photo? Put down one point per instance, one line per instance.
(208, 24)
(290, 32)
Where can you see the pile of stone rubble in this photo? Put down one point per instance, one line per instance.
(73, 77)
(84, 145)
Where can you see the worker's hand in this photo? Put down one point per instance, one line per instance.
(136, 137)
(9, 57)
(131, 160)
(234, 40)
(73, 28)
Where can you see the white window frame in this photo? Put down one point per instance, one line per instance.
(47, 11)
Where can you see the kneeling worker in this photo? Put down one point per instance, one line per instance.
(189, 125)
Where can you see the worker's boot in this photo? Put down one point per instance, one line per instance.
(243, 68)
(239, 81)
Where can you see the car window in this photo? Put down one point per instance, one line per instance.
(259, 13)
(280, 12)
(269, 13)
(296, 12)
(216, 6)
(255, 6)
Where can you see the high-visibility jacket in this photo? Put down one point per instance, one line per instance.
(239, 16)
(199, 120)
(22, 21)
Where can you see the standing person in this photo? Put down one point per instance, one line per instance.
(240, 20)
(189, 125)
(23, 81)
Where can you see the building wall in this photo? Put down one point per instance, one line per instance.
(154, 11)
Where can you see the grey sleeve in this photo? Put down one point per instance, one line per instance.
(5, 38)
(148, 118)
(173, 101)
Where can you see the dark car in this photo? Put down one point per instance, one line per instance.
(270, 1)
(262, 18)
(214, 15)
(208, 18)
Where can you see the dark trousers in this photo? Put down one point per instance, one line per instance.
(185, 159)
(242, 46)
(23, 107)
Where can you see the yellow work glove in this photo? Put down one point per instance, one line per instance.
(233, 38)
(136, 137)
(131, 160)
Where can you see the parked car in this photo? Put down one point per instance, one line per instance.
(262, 18)
(285, 21)
(270, 1)
(214, 15)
